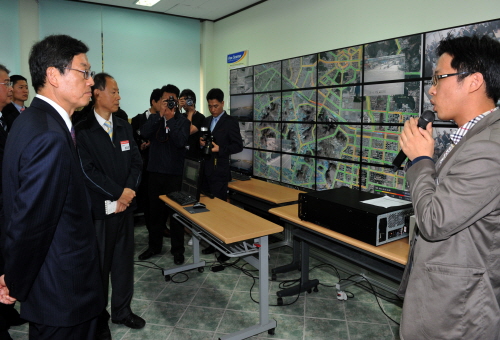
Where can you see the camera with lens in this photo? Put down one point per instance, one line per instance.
(171, 102)
(189, 101)
(206, 135)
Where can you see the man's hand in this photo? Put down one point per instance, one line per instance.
(5, 298)
(120, 207)
(165, 111)
(127, 197)
(145, 145)
(415, 141)
(215, 147)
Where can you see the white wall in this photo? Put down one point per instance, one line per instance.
(280, 29)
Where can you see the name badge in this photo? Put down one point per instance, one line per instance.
(125, 145)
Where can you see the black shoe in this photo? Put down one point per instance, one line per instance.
(208, 250)
(147, 254)
(178, 259)
(103, 332)
(222, 258)
(131, 321)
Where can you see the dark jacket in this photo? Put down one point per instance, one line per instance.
(167, 149)
(50, 248)
(10, 113)
(227, 136)
(108, 166)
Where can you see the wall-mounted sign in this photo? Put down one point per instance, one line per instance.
(238, 59)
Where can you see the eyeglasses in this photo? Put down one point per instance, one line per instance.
(86, 73)
(436, 77)
(8, 84)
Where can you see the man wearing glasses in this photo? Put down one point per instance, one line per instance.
(452, 279)
(168, 133)
(49, 243)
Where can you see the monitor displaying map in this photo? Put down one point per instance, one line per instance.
(241, 80)
(267, 106)
(267, 165)
(298, 138)
(246, 131)
(393, 59)
(242, 107)
(332, 174)
(340, 67)
(299, 106)
(267, 77)
(267, 136)
(340, 104)
(298, 171)
(299, 73)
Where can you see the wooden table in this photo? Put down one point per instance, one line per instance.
(235, 233)
(388, 260)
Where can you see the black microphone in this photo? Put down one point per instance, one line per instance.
(426, 118)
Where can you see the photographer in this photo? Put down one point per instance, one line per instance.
(168, 133)
(226, 140)
(187, 101)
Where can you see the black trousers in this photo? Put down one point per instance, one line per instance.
(161, 184)
(83, 331)
(115, 239)
(215, 187)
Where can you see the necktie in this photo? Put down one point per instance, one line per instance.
(109, 130)
(73, 136)
(3, 123)
(212, 125)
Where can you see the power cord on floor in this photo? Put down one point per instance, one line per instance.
(373, 291)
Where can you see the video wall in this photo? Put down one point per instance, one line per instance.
(333, 118)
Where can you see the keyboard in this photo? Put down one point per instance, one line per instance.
(239, 176)
(181, 198)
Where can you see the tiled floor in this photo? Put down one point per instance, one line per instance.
(207, 305)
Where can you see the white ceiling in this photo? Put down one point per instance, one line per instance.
(199, 9)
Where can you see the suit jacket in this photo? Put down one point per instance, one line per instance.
(167, 149)
(227, 136)
(108, 166)
(10, 114)
(453, 282)
(50, 247)
(3, 140)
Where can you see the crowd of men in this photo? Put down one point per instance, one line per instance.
(73, 179)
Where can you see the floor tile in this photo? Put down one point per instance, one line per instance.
(149, 332)
(164, 314)
(324, 308)
(178, 294)
(185, 334)
(200, 318)
(363, 331)
(214, 298)
(321, 329)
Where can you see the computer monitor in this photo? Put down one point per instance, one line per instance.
(242, 162)
(191, 177)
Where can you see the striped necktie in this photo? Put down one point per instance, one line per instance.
(109, 129)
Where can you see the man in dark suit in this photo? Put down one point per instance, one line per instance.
(49, 242)
(20, 94)
(112, 166)
(6, 309)
(227, 140)
(143, 144)
(168, 131)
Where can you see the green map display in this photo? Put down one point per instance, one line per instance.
(333, 118)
